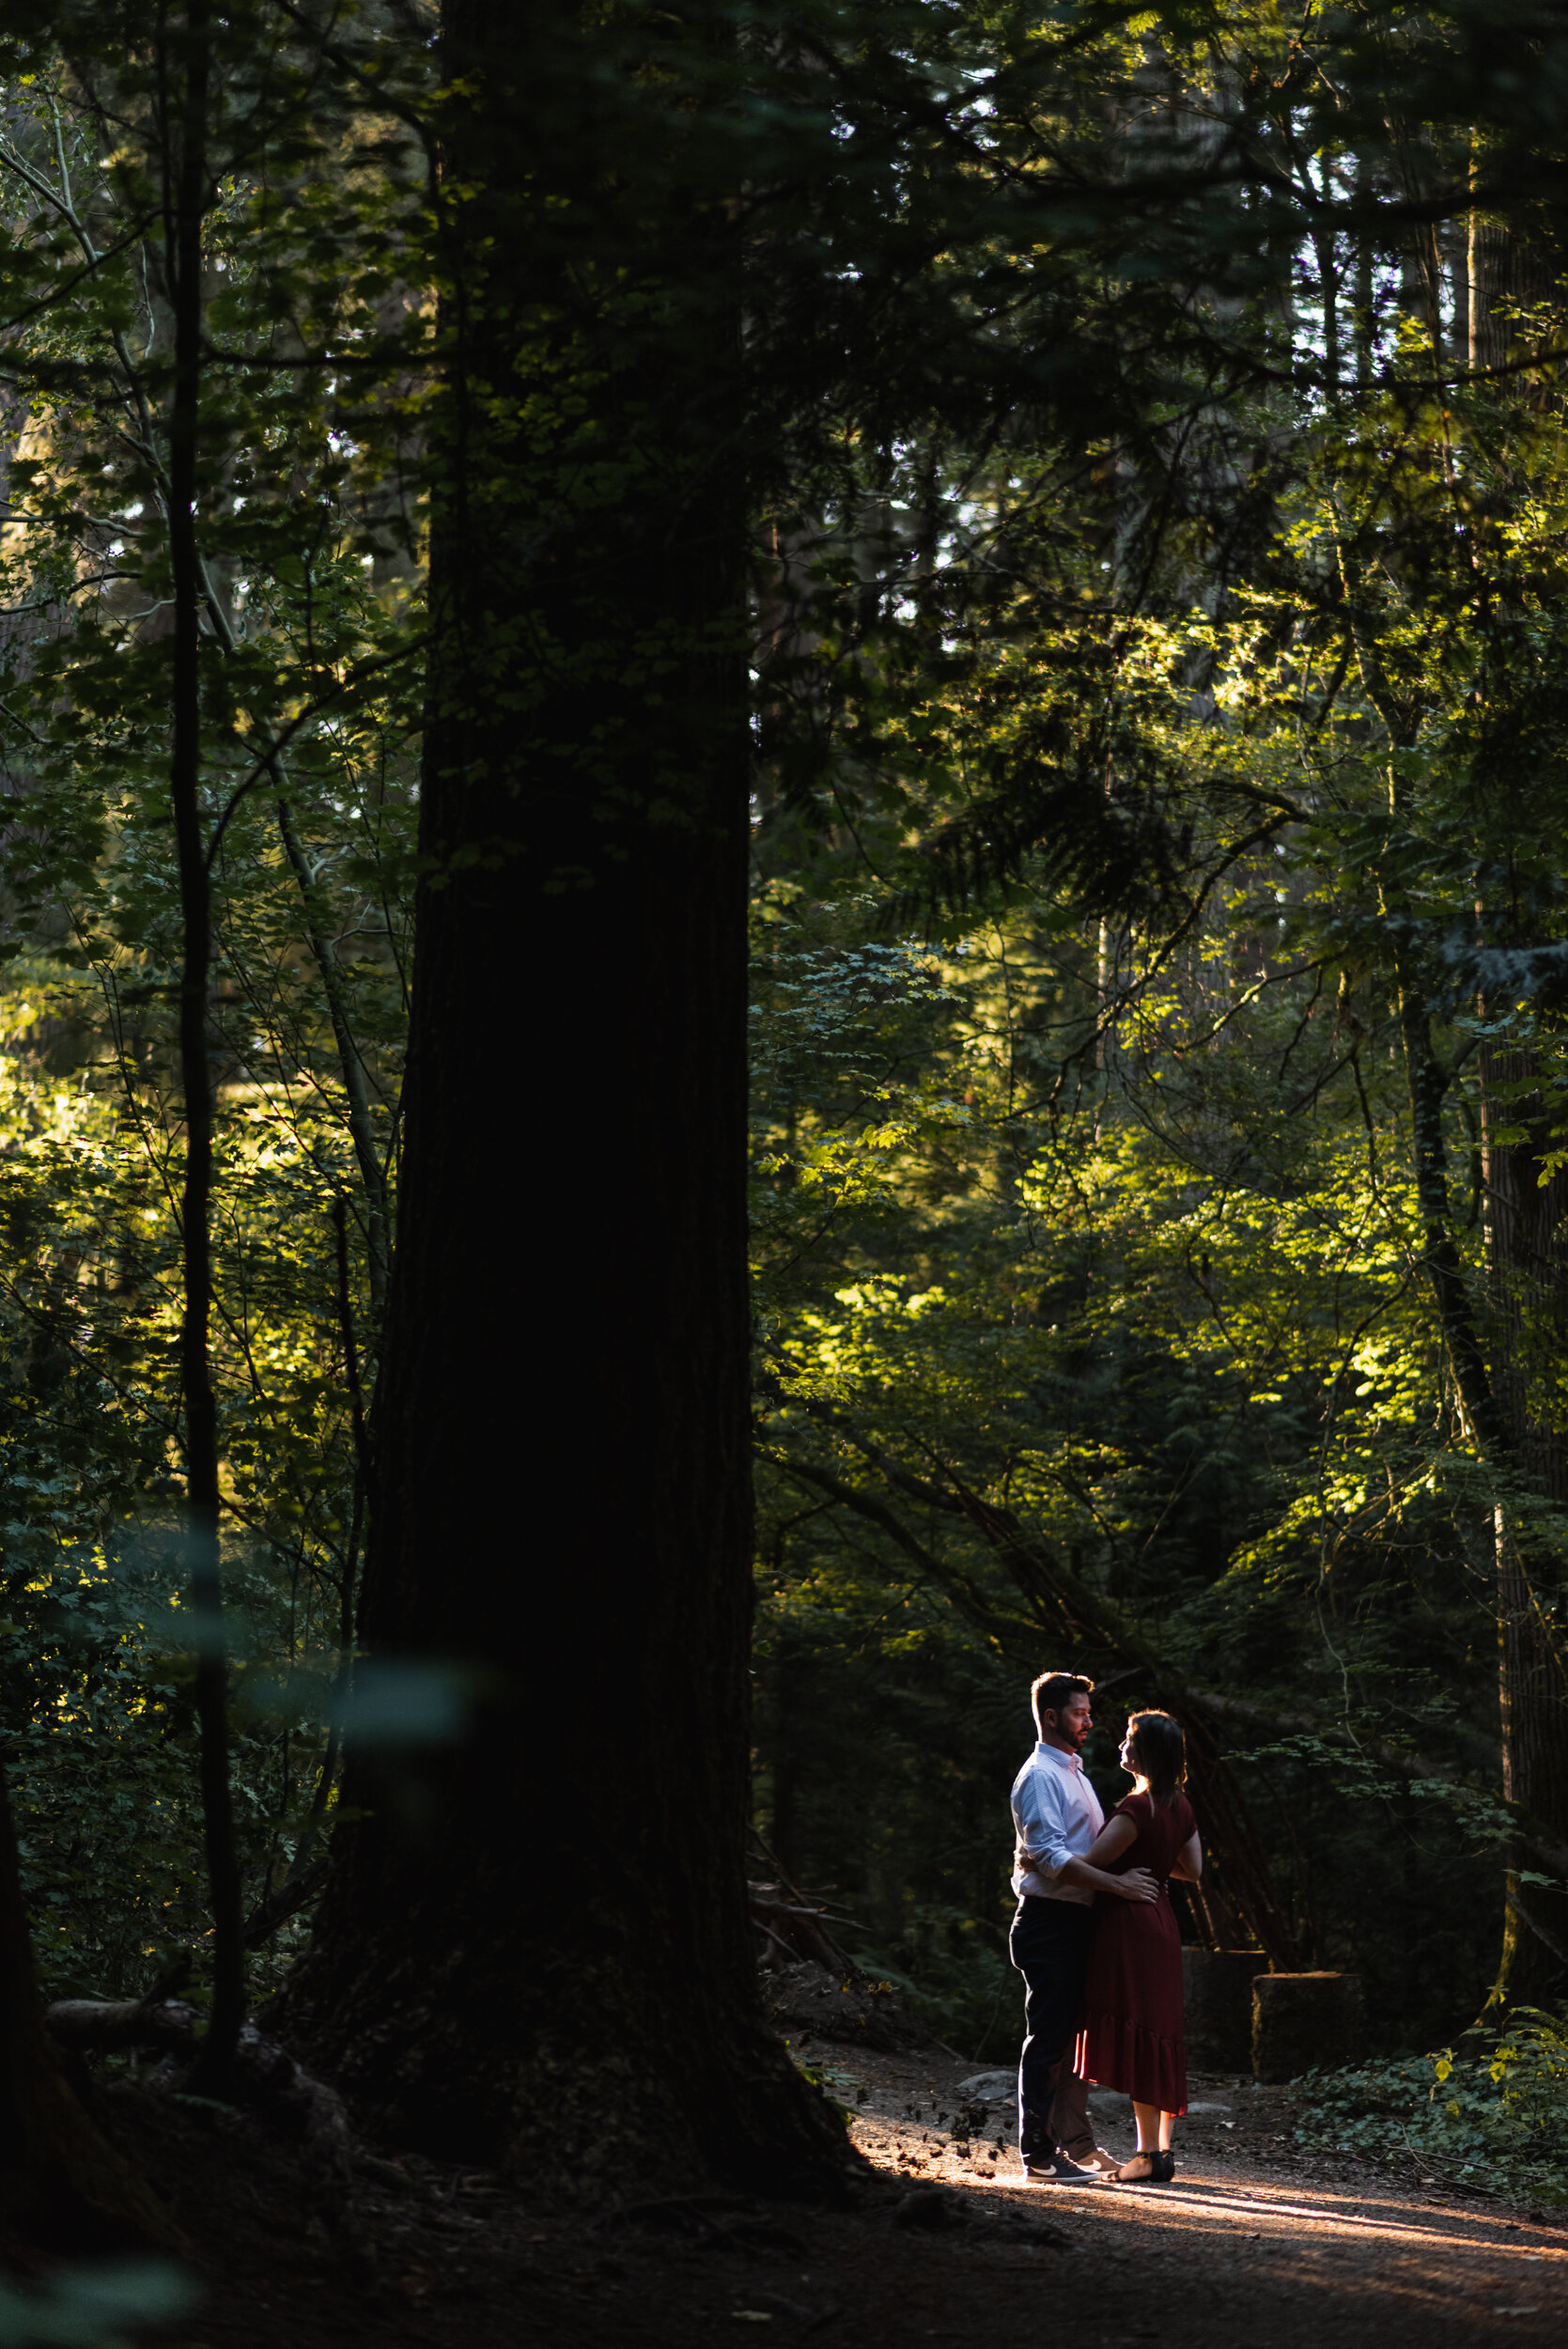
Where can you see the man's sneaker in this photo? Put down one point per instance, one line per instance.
(1107, 2164)
(1056, 2170)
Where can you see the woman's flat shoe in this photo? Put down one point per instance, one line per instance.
(1140, 2170)
(1165, 2167)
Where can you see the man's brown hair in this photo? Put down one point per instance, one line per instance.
(1050, 1692)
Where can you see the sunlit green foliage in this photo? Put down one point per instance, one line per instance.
(310, 691)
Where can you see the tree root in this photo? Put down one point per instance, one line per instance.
(270, 2077)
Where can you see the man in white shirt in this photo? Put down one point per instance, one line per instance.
(1056, 1817)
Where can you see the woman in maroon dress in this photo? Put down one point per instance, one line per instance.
(1133, 2037)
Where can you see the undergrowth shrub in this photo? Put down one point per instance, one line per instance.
(1504, 2113)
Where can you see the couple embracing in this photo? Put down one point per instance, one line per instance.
(1096, 1942)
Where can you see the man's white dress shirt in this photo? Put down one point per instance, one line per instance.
(1056, 1816)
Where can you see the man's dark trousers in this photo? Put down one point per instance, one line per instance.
(1049, 1946)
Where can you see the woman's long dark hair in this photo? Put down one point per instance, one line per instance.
(1160, 1751)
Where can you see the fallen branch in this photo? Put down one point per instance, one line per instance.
(796, 1922)
(789, 1953)
(277, 1907)
(103, 2026)
(799, 1929)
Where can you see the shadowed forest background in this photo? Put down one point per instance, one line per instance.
(1102, 480)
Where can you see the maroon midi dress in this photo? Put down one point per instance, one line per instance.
(1133, 2037)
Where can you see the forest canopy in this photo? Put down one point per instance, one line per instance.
(1104, 475)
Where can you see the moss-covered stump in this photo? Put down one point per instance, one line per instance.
(1218, 1988)
(1300, 2021)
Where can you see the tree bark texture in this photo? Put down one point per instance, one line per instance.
(533, 1946)
(1506, 273)
(1527, 1259)
(1496, 1364)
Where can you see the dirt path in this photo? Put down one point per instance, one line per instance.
(1255, 2241)
(1255, 2247)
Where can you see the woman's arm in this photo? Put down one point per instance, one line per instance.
(1110, 1843)
(1189, 1862)
(1112, 1840)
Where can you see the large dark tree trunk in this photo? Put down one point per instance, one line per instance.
(533, 1946)
(63, 2187)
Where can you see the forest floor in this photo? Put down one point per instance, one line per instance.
(1255, 2243)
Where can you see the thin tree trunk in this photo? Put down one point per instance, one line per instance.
(184, 244)
(1528, 1301)
(362, 1130)
(1504, 269)
(533, 1946)
(1428, 1083)
(350, 1061)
